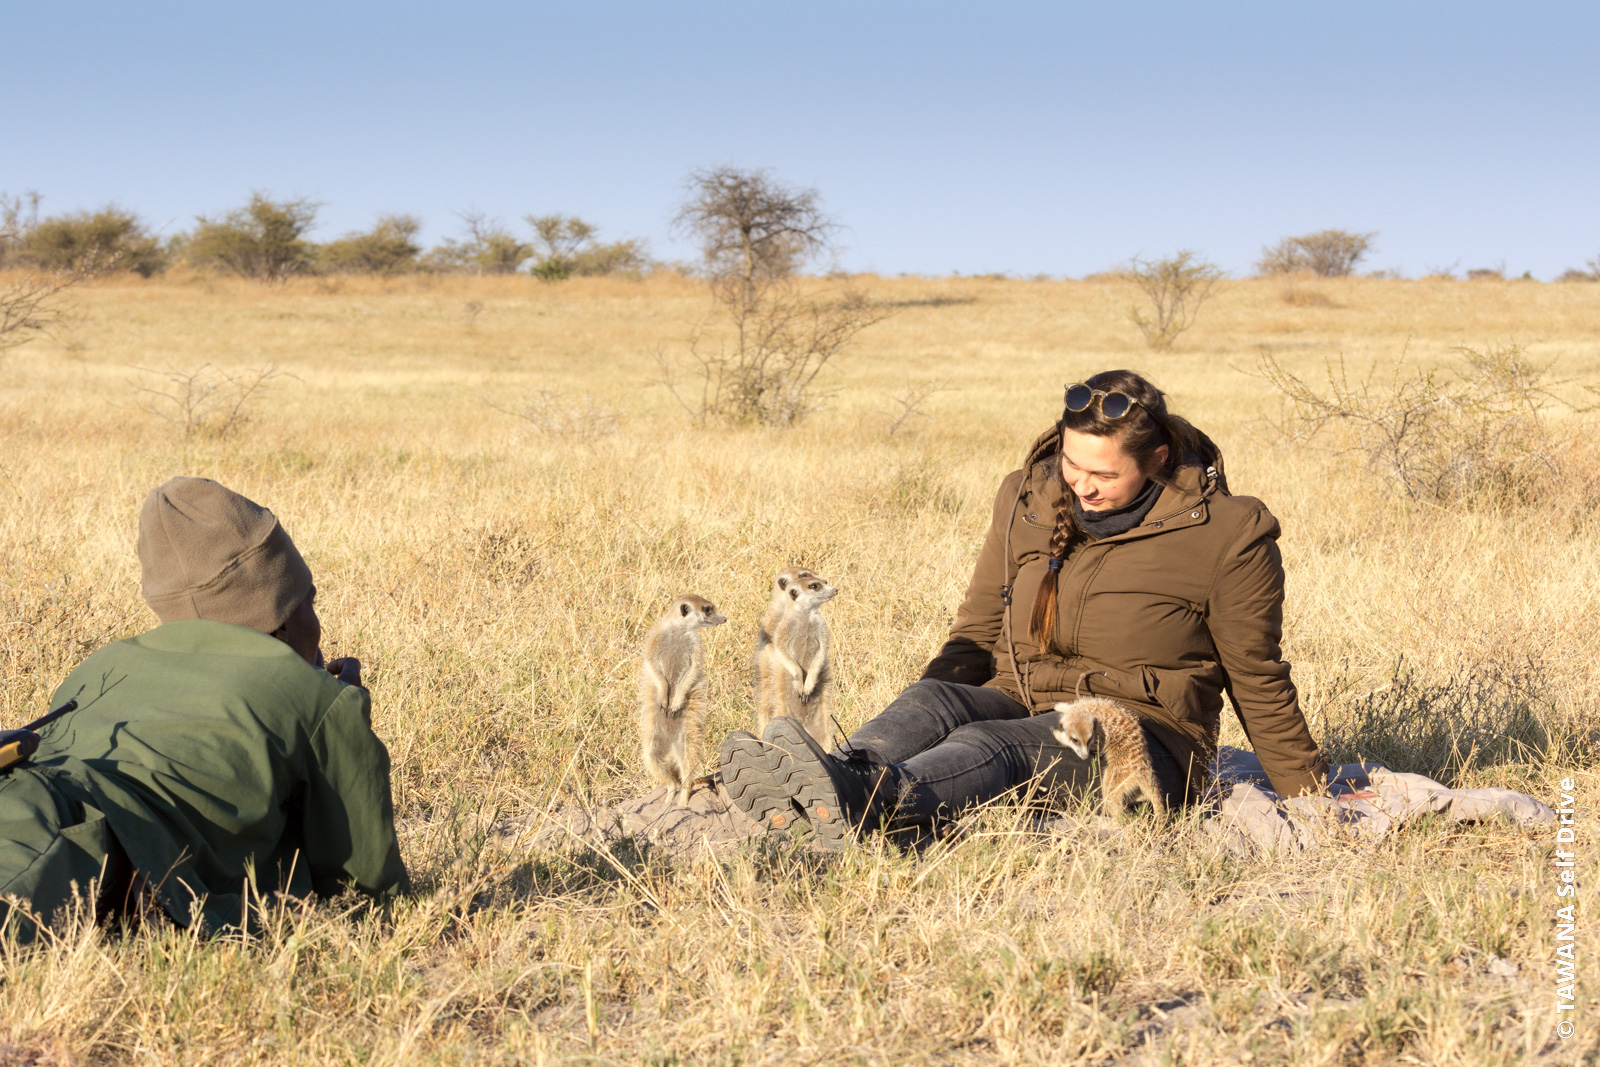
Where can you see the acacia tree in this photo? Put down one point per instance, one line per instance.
(487, 247)
(1176, 287)
(1326, 253)
(110, 238)
(758, 359)
(557, 241)
(390, 247)
(264, 239)
(752, 228)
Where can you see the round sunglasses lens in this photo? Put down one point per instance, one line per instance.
(1078, 397)
(1115, 405)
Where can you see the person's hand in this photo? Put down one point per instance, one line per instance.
(347, 669)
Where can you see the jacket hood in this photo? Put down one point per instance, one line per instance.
(1044, 446)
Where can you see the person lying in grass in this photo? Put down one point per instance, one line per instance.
(213, 760)
(1116, 565)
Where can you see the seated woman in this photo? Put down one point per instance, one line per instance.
(211, 759)
(1117, 566)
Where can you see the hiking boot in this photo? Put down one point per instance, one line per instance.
(840, 798)
(757, 776)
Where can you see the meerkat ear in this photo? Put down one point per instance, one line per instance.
(783, 583)
(794, 594)
(683, 609)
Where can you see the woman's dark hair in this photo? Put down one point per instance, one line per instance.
(1141, 433)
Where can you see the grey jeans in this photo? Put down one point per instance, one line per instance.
(953, 746)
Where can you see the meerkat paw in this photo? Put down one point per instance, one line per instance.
(1123, 800)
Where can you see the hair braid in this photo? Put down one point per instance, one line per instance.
(1042, 623)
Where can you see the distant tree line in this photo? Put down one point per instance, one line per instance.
(266, 239)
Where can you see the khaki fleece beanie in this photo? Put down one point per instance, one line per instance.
(205, 552)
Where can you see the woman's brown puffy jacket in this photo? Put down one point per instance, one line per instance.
(1164, 619)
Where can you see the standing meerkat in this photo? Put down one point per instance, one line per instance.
(793, 676)
(1093, 727)
(672, 707)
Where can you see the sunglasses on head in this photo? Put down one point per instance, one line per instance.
(1113, 404)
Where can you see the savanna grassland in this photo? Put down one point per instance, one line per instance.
(495, 572)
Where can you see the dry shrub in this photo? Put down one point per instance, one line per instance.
(908, 404)
(1326, 253)
(1446, 728)
(1176, 287)
(1479, 434)
(205, 400)
(561, 418)
(1302, 296)
(763, 369)
(35, 304)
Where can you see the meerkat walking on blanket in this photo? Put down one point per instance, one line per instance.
(793, 676)
(1097, 727)
(672, 707)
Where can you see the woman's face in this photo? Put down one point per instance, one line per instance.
(1100, 474)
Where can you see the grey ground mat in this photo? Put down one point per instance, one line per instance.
(1250, 816)
(1242, 813)
(709, 821)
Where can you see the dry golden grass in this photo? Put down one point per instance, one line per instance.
(496, 577)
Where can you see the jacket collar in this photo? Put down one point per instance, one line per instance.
(1182, 504)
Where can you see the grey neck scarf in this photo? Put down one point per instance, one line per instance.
(1099, 524)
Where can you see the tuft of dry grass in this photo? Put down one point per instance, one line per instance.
(497, 581)
(1304, 295)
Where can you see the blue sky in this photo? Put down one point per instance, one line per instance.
(1029, 138)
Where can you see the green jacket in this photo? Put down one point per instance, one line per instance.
(218, 759)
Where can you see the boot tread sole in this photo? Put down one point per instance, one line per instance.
(759, 779)
(813, 789)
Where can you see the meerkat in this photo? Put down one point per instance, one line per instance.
(793, 676)
(672, 708)
(1096, 727)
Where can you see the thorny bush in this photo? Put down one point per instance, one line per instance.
(1481, 433)
(1176, 287)
(1446, 728)
(765, 372)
